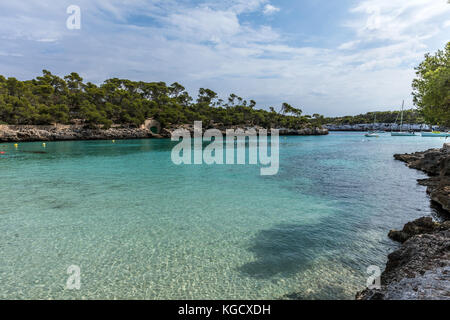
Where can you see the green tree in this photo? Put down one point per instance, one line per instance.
(431, 88)
(50, 99)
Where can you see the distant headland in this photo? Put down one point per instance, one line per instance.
(52, 108)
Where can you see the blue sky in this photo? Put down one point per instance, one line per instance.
(329, 57)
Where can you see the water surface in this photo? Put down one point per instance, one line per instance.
(140, 227)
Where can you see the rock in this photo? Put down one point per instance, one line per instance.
(436, 163)
(419, 226)
(167, 132)
(441, 194)
(447, 146)
(70, 132)
(150, 129)
(427, 161)
(420, 269)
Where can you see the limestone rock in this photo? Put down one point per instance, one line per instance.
(435, 162)
(419, 226)
(420, 269)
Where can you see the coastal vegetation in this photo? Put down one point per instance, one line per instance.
(50, 99)
(409, 116)
(432, 87)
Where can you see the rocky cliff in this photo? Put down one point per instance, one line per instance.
(69, 132)
(282, 131)
(420, 269)
(22, 133)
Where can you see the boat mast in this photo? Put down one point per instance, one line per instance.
(396, 119)
(401, 119)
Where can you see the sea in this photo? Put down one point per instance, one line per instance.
(119, 220)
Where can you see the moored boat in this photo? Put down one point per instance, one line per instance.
(436, 134)
(403, 133)
(372, 135)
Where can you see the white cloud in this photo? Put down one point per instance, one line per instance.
(349, 45)
(270, 9)
(209, 45)
(205, 24)
(398, 20)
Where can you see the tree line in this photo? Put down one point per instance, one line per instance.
(49, 99)
(409, 116)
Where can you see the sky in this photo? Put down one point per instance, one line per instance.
(324, 56)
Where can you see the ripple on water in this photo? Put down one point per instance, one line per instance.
(140, 227)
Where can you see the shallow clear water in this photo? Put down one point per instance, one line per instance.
(140, 227)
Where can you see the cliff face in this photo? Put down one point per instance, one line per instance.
(68, 132)
(11, 133)
(282, 131)
(420, 269)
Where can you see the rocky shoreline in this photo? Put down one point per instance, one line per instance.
(69, 133)
(436, 163)
(58, 132)
(420, 269)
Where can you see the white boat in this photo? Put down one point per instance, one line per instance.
(402, 133)
(436, 134)
(373, 133)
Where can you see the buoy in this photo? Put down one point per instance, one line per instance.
(16, 145)
(2, 152)
(44, 145)
(114, 141)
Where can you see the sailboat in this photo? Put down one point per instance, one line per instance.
(436, 134)
(402, 133)
(372, 134)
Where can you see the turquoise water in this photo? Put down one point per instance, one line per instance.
(140, 227)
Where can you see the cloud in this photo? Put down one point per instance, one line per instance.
(216, 44)
(204, 24)
(398, 20)
(349, 45)
(270, 9)
(243, 6)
